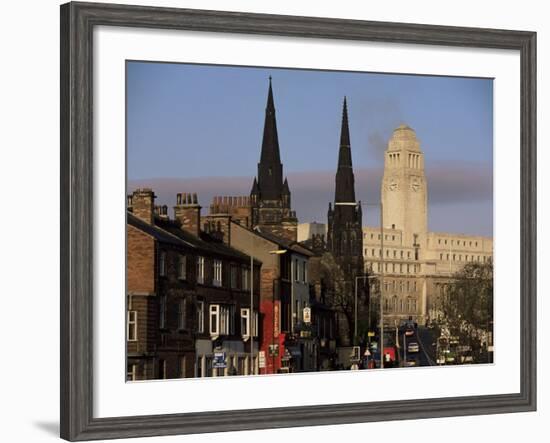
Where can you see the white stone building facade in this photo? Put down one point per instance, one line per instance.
(415, 264)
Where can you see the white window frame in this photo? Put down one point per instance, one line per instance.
(131, 325)
(218, 273)
(245, 323)
(182, 267)
(214, 319)
(131, 374)
(200, 317)
(200, 269)
(224, 320)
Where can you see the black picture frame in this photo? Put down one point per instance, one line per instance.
(77, 23)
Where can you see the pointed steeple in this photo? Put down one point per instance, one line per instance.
(345, 181)
(270, 169)
(270, 142)
(286, 189)
(255, 189)
(344, 133)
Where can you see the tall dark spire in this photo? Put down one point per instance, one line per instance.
(270, 142)
(345, 182)
(344, 133)
(270, 169)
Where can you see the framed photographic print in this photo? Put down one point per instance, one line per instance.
(273, 221)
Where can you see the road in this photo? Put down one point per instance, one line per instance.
(426, 355)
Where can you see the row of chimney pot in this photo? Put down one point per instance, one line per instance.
(237, 201)
(187, 199)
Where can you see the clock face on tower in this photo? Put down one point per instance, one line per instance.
(392, 185)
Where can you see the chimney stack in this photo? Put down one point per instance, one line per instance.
(143, 205)
(161, 212)
(188, 212)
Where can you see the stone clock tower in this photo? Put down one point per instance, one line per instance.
(404, 190)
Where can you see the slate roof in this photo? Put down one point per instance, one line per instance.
(155, 232)
(168, 231)
(285, 243)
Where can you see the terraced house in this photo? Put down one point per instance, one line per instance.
(188, 295)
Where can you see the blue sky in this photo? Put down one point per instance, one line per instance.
(196, 126)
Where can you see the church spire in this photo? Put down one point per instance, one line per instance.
(270, 169)
(270, 142)
(345, 181)
(344, 133)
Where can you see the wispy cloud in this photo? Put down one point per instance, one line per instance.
(457, 184)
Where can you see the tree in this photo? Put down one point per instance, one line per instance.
(341, 297)
(468, 303)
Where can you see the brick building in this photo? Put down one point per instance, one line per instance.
(188, 295)
(284, 289)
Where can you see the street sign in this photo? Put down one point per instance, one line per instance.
(367, 353)
(261, 359)
(307, 315)
(370, 334)
(276, 320)
(218, 362)
(273, 350)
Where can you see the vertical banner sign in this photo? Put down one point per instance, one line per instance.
(276, 320)
(307, 315)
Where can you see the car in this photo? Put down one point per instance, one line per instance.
(410, 362)
(413, 347)
(409, 332)
(467, 358)
(450, 358)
